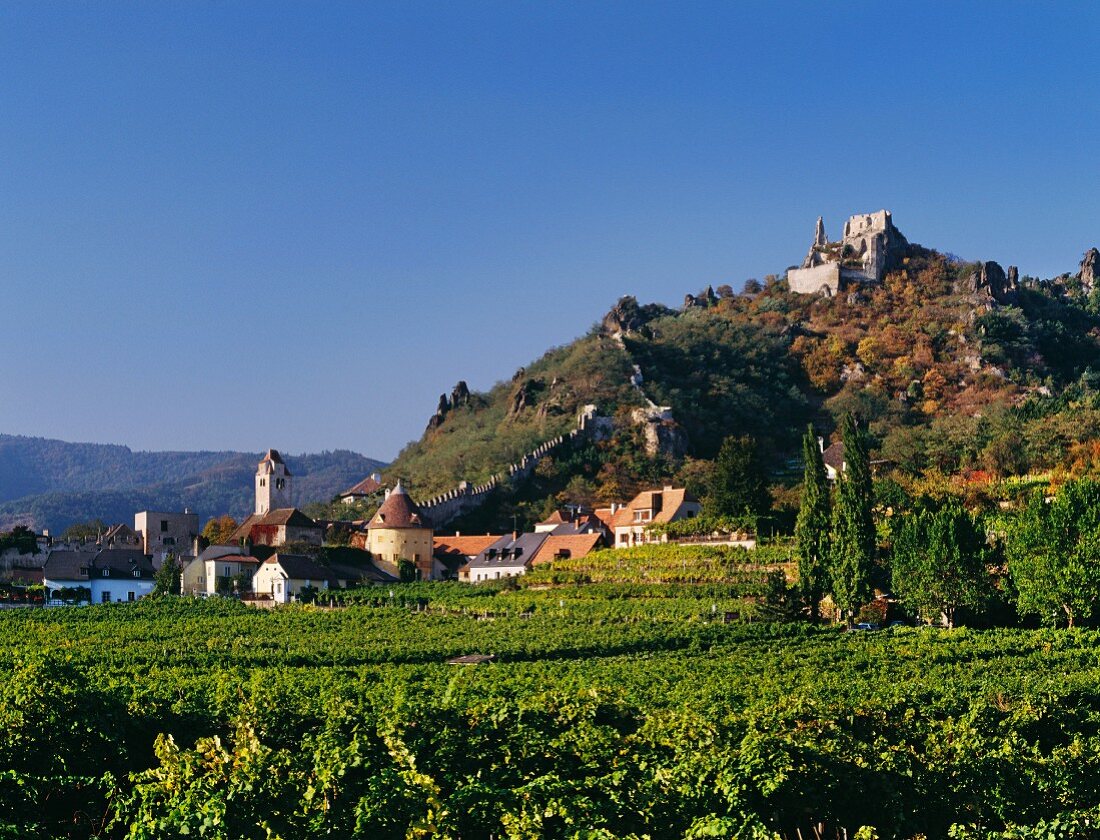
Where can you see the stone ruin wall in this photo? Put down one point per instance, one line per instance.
(467, 497)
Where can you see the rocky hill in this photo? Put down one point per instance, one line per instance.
(52, 484)
(955, 365)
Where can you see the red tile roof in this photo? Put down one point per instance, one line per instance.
(366, 487)
(462, 546)
(577, 545)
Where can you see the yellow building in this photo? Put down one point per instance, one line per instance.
(399, 532)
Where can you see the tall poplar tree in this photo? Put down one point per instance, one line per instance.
(852, 552)
(812, 526)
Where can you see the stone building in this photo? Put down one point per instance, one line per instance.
(166, 533)
(275, 522)
(400, 532)
(870, 247)
(272, 483)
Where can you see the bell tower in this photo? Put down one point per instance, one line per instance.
(272, 484)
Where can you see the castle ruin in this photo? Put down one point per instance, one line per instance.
(870, 247)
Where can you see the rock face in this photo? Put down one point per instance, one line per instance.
(990, 280)
(663, 435)
(1090, 269)
(460, 395)
(627, 316)
(702, 301)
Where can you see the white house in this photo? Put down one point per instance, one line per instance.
(111, 575)
(216, 569)
(282, 577)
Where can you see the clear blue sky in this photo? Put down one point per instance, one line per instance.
(232, 225)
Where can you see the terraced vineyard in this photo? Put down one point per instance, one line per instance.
(599, 717)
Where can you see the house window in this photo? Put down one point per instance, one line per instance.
(163, 525)
(168, 540)
(130, 596)
(105, 597)
(137, 573)
(106, 573)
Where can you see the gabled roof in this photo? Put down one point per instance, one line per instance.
(273, 457)
(213, 552)
(287, 516)
(664, 504)
(577, 545)
(833, 456)
(359, 572)
(447, 547)
(300, 567)
(280, 516)
(367, 487)
(63, 564)
(509, 552)
(398, 511)
(121, 531)
(83, 565)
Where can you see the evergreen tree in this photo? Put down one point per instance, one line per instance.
(812, 526)
(853, 538)
(167, 579)
(739, 484)
(938, 561)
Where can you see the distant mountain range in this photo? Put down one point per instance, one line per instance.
(52, 484)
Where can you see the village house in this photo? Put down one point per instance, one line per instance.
(670, 504)
(109, 575)
(572, 520)
(566, 546)
(833, 456)
(166, 533)
(454, 552)
(398, 533)
(216, 570)
(367, 489)
(509, 556)
(282, 577)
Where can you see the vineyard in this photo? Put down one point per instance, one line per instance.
(599, 717)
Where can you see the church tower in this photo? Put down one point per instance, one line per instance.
(272, 484)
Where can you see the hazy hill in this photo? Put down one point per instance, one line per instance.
(956, 366)
(51, 483)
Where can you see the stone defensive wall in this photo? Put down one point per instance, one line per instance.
(467, 497)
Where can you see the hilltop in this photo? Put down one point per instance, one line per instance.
(955, 365)
(52, 484)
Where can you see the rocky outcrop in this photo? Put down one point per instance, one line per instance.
(627, 316)
(663, 435)
(460, 396)
(989, 280)
(819, 234)
(701, 301)
(1090, 269)
(440, 413)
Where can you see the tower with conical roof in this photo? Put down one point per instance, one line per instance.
(398, 533)
(272, 484)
